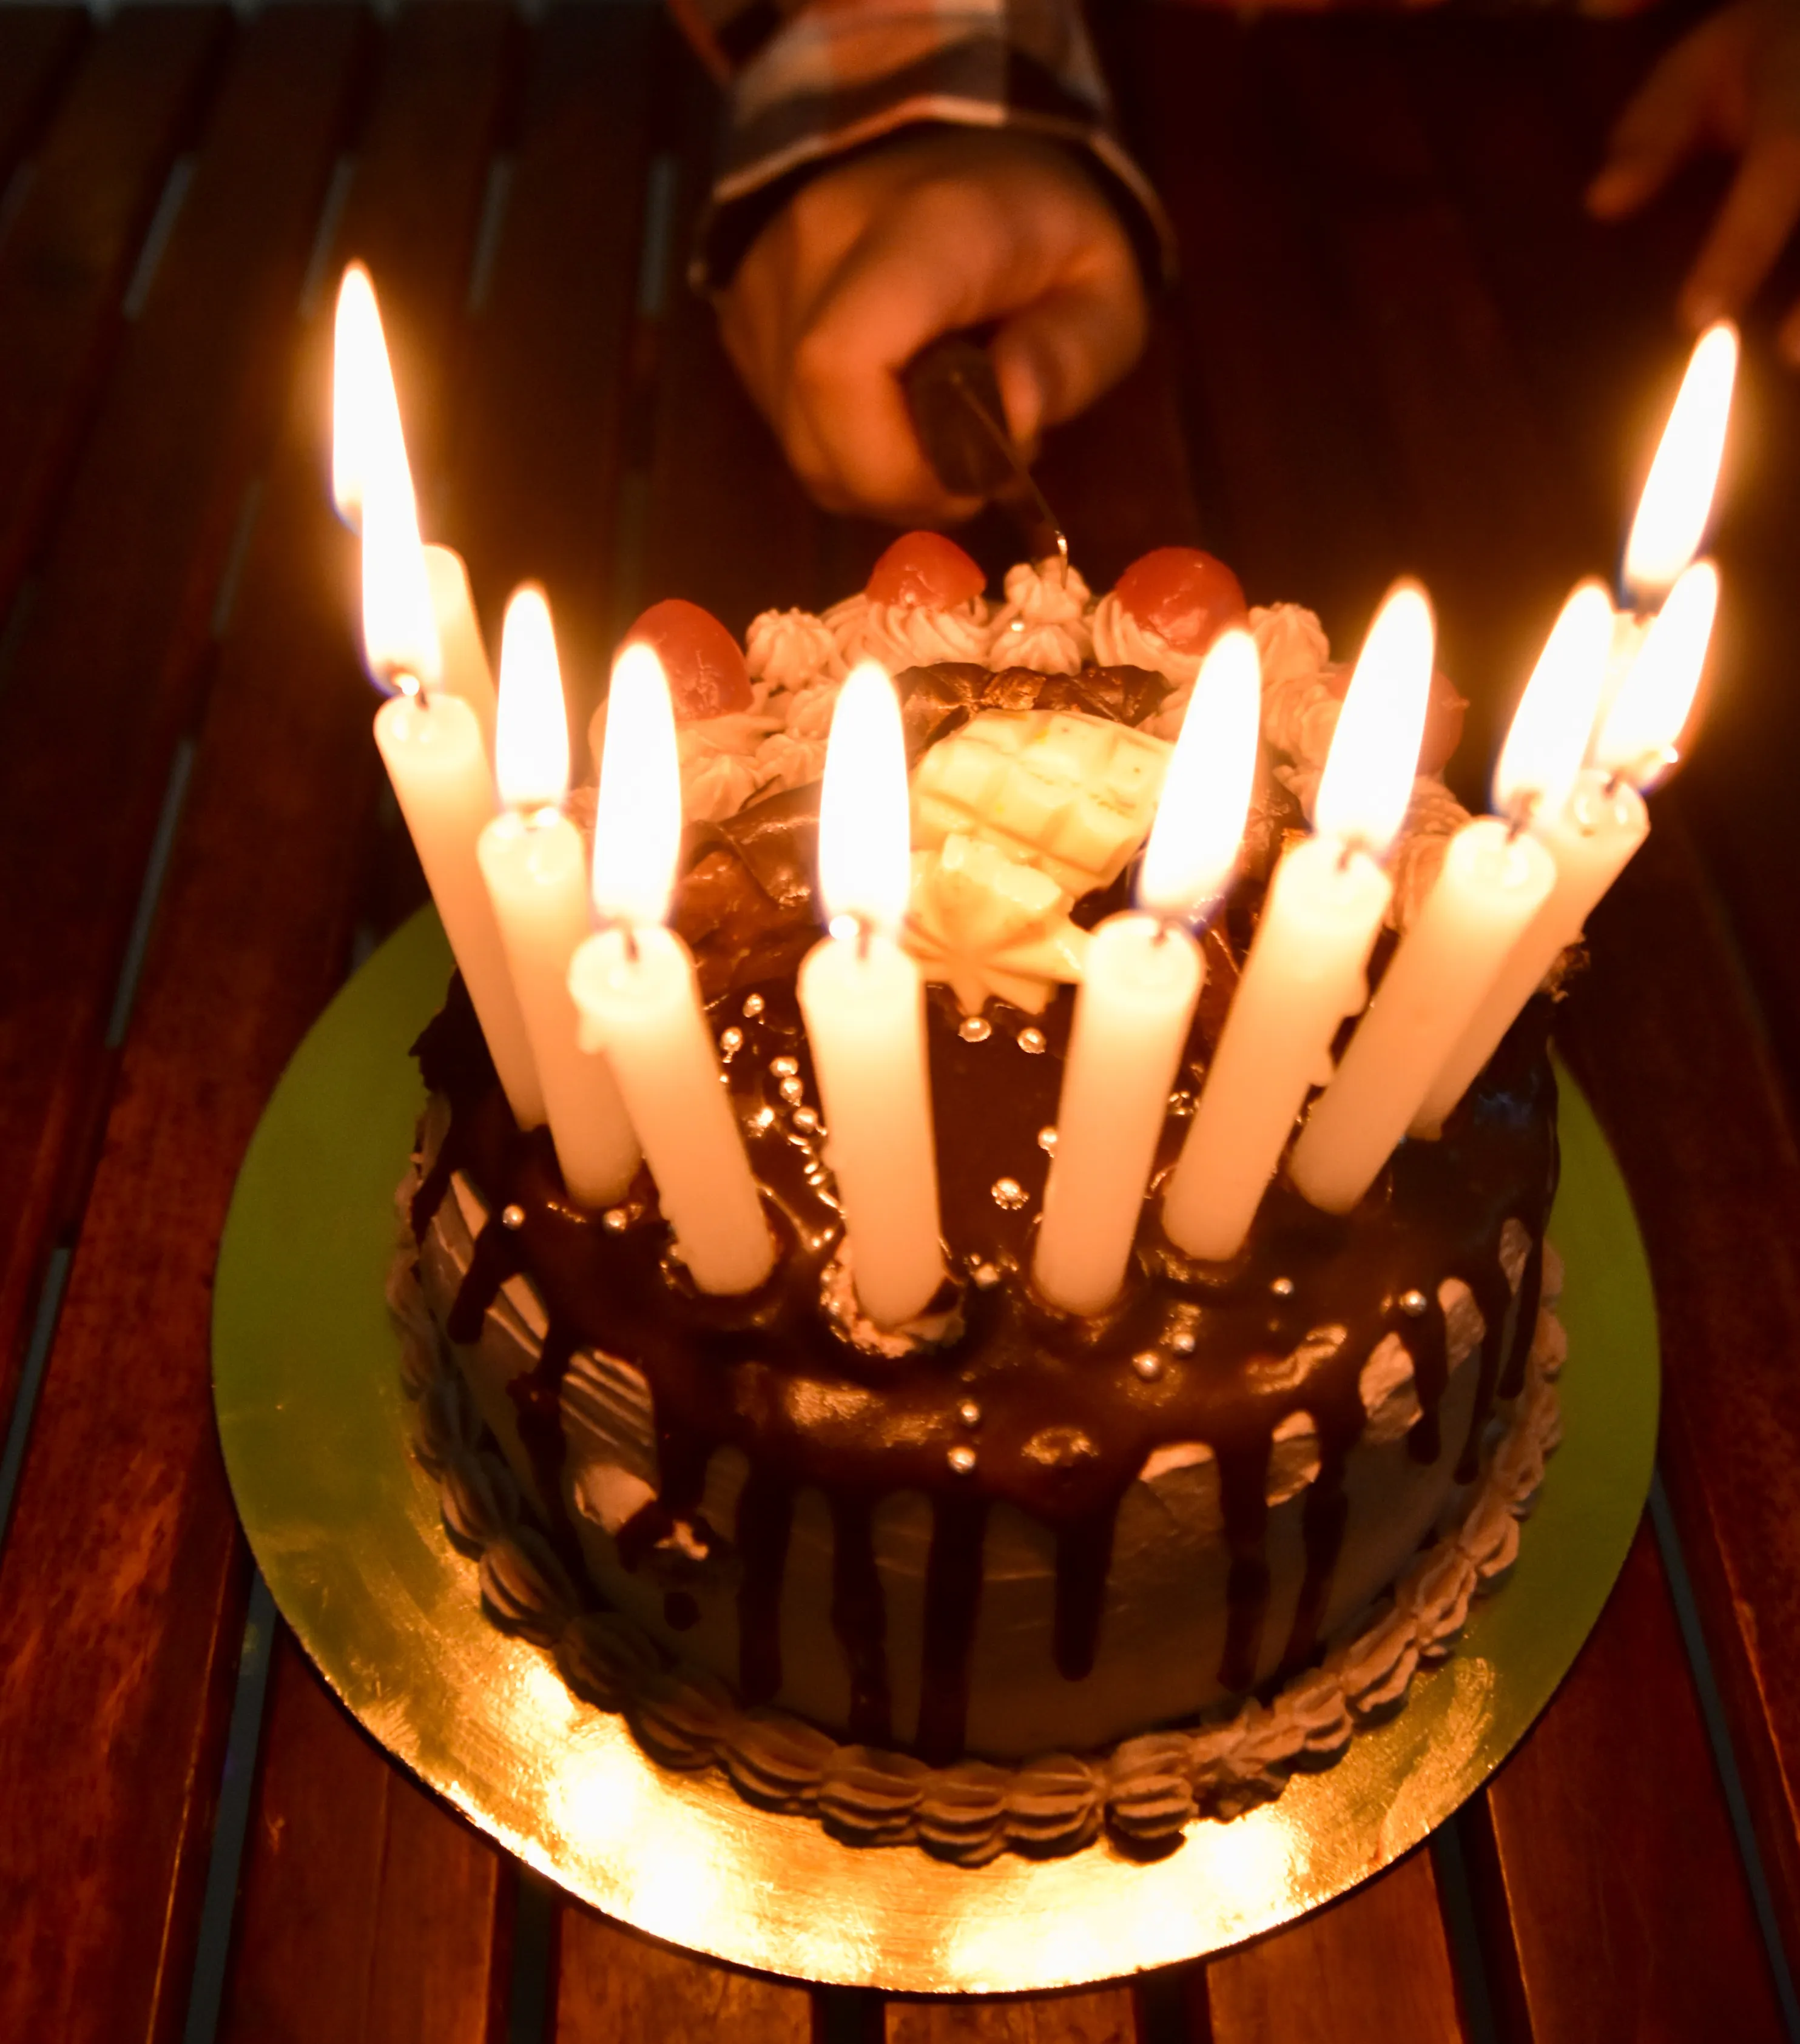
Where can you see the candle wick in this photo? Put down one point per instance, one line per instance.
(1523, 810)
(1346, 852)
(865, 933)
(630, 931)
(1615, 780)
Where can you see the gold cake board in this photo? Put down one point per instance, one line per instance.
(346, 1530)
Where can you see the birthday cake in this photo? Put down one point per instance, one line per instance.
(1007, 1574)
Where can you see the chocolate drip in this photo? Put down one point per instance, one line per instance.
(428, 1195)
(1493, 1296)
(537, 1402)
(1084, 1555)
(1244, 1471)
(858, 1617)
(1525, 1328)
(682, 1459)
(1428, 1342)
(496, 1258)
(952, 1602)
(765, 1519)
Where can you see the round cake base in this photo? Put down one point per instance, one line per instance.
(346, 1532)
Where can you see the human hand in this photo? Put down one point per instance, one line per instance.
(1731, 83)
(938, 229)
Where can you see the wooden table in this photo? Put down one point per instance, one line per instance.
(1398, 345)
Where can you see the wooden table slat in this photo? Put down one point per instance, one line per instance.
(366, 1912)
(1605, 1844)
(116, 1634)
(1101, 2015)
(65, 263)
(1375, 1963)
(37, 45)
(615, 1987)
(100, 691)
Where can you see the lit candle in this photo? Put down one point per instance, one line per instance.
(1672, 512)
(535, 868)
(864, 1006)
(366, 435)
(1494, 881)
(1140, 984)
(635, 986)
(1320, 919)
(1592, 836)
(431, 744)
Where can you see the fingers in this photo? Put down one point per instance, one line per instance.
(1665, 122)
(1055, 357)
(1752, 229)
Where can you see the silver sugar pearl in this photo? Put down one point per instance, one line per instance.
(969, 1413)
(1031, 1042)
(1181, 1341)
(784, 1068)
(962, 1458)
(805, 1119)
(1047, 1140)
(975, 1029)
(731, 1041)
(512, 1217)
(793, 1092)
(615, 1220)
(763, 1120)
(1008, 1193)
(985, 1276)
(1413, 1303)
(1283, 1288)
(1148, 1365)
(1181, 1105)
(752, 1006)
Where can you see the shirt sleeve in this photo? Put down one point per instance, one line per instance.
(811, 80)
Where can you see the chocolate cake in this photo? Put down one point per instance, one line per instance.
(1007, 1575)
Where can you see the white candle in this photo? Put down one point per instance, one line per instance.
(535, 866)
(465, 671)
(638, 997)
(1491, 884)
(864, 1006)
(1320, 920)
(1592, 836)
(1140, 983)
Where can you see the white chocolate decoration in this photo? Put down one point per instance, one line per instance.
(990, 926)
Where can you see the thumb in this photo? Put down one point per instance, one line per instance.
(1665, 122)
(1056, 355)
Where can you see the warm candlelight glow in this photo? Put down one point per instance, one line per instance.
(1368, 774)
(400, 640)
(1206, 791)
(1550, 729)
(1637, 739)
(366, 427)
(1678, 498)
(531, 737)
(637, 818)
(864, 826)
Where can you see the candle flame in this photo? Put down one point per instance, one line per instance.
(531, 728)
(865, 826)
(1206, 791)
(1678, 497)
(1549, 736)
(1637, 737)
(400, 641)
(365, 429)
(638, 817)
(1368, 774)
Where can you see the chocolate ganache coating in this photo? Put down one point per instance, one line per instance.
(1021, 1405)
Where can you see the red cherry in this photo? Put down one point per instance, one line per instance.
(926, 567)
(705, 664)
(1444, 712)
(1187, 596)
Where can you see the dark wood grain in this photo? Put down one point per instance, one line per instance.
(1374, 1964)
(542, 419)
(360, 1887)
(614, 1987)
(1606, 1844)
(100, 691)
(37, 45)
(64, 266)
(1102, 2016)
(119, 1623)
